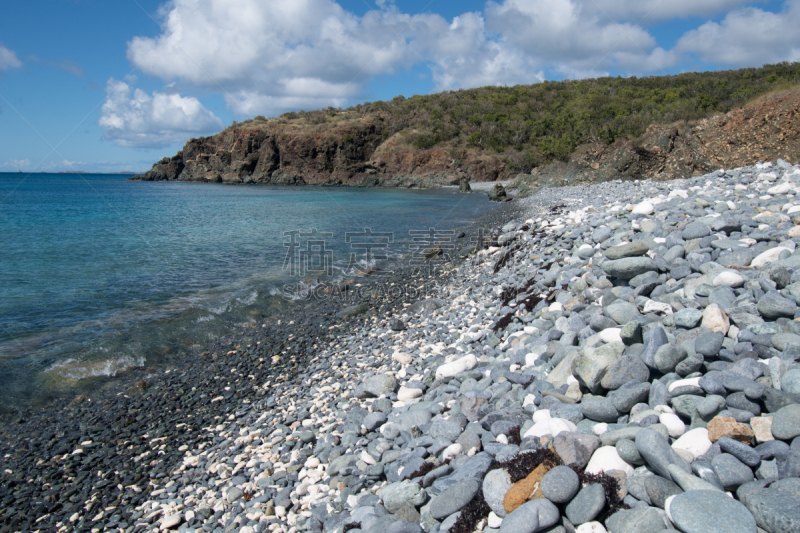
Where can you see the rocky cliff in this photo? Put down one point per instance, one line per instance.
(373, 150)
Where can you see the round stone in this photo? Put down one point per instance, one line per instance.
(628, 268)
(587, 504)
(696, 230)
(495, 486)
(531, 517)
(454, 498)
(701, 511)
(728, 279)
(560, 484)
(687, 318)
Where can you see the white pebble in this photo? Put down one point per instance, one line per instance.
(605, 459)
(673, 423)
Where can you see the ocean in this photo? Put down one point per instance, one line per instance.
(99, 275)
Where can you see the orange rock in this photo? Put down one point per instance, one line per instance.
(526, 489)
(725, 426)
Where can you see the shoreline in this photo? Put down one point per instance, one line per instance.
(412, 426)
(128, 407)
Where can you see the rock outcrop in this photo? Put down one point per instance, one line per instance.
(373, 151)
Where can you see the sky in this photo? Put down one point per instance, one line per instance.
(98, 86)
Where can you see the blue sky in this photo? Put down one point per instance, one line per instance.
(114, 86)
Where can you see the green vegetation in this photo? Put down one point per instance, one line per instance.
(531, 125)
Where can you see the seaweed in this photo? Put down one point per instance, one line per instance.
(503, 322)
(348, 527)
(475, 511)
(524, 463)
(514, 436)
(506, 257)
(423, 470)
(610, 487)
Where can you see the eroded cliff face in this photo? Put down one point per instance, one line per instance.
(370, 153)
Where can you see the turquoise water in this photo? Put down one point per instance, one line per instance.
(99, 274)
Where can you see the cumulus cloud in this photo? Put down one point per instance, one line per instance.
(659, 10)
(8, 59)
(133, 118)
(267, 56)
(747, 37)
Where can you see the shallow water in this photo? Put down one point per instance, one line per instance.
(99, 274)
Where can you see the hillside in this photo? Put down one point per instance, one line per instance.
(598, 129)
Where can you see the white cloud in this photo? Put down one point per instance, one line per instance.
(305, 49)
(135, 119)
(267, 56)
(747, 37)
(649, 11)
(18, 164)
(8, 59)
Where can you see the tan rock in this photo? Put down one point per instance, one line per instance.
(794, 232)
(762, 427)
(526, 489)
(725, 426)
(715, 319)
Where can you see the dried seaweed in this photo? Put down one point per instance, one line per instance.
(503, 322)
(475, 511)
(610, 487)
(524, 463)
(514, 436)
(506, 257)
(348, 527)
(424, 469)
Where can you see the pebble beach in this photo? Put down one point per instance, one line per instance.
(618, 357)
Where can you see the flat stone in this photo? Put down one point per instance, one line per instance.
(775, 508)
(709, 344)
(621, 312)
(454, 499)
(628, 249)
(659, 489)
(627, 368)
(588, 503)
(668, 356)
(532, 517)
(701, 511)
(687, 318)
(643, 519)
(786, 422)
(656, 451)
(628, 267)
(396, 495)
(743, 452)
(234, 494)
(495, 486)
(560, 484)
(696, 230)
(376, 386)
(773, 305)
(731, 471)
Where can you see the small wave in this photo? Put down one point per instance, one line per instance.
(72, 369)
(205, 318)
(250, 300)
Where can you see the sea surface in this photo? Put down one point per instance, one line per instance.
(99, 275)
